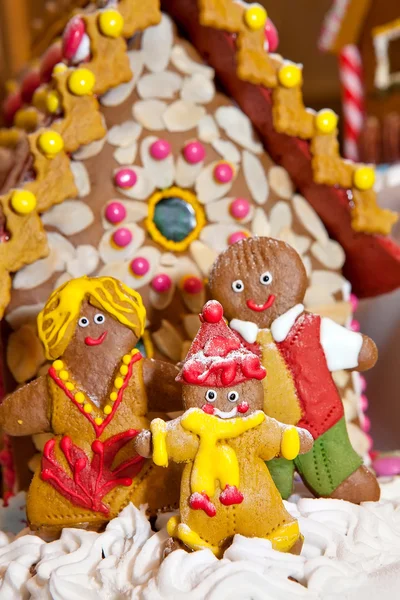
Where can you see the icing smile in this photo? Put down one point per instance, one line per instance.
(89, 341)
(212, 410)
(261, 307)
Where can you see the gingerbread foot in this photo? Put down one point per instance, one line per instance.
(200, 501)
(231, 495)
(360, 486)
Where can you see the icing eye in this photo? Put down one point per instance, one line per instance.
(99, 319)
(211, 396)
(83, 322)
(233, 396)
(266, 278)
(238, 285)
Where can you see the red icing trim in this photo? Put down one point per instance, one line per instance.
(200, 501)
(89, 341)
(97, 428)
(261, 307)
(90, 481)
(231, 495)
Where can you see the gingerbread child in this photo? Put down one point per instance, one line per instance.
(261, 283)
(224, 439)
(94, 400)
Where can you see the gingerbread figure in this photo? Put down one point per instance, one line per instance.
(261, 283)
(94, 400)
(224, 438)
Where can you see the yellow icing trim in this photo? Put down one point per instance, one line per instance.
(285, 537)
(192, 539)
(210, 427)
(172, 525)
(58, 320)
(155, 233)
(148, 344)
(290, 445)
(158, 429)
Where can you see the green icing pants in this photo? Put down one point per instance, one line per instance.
(331, 460)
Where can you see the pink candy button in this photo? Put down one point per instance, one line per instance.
(125, 178)
(240, 208)
(223, 172)
(236, 237)
(161, 283)
(122, 237)
(140, 266)
(194, 152)
(160, 149)
(115, 212)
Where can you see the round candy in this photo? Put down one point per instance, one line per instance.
(51, 57)
(271, 35)
(122, 237)
(255, 16)
(111, 23)
(50, 143)
(39, 99)
(326, 121)
(212, 311)
(72, 36)
(53, 102)
(140, 266)
(192, 284)
(236, 237)
(161, 283)
(81, 82)
(387, 466)
(115, 212)
(60, 67)
(363, 383)
(355, 325)
(353, 302)
(160, 149)
(23, 202)
(239, 208)
(365, 424)
(125, 178)
(12, 103)
(26, 118)
(194, 152)
(364, 178)
(223, 172)
(29, 84)
(290, 76)
(364, 402)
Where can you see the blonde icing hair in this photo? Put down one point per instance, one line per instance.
(58, 319)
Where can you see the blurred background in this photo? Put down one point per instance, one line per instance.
(27, 27)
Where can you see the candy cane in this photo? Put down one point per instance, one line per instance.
(350, 72)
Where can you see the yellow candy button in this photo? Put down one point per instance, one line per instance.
(81, 82)
(113, 396)
(107, 409)
(39, 99)
(23, 202)
(364, 178)
(53, 102)
(80, 397)
(87, 408)
(111, 23)
(123, 369)
(63, 375)
(255, 17)
(119, 382)
(98, 420)
(326, 121)
(26, 118)
(290, 76)
(290, 445)
(70, 386)
(59, 68)
(58, 364)
(126, 359)
(50, 143)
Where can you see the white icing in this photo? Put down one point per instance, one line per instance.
(83, 50)
(246, 329)
(283, 324)
(222, 414)
(341, 346)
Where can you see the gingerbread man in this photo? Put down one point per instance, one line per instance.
(94, 400)
(261, 283)
(224, 439)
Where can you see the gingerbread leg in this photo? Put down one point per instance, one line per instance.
(287, 537)
(190, 538)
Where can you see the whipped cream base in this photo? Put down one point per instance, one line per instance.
(350, 552)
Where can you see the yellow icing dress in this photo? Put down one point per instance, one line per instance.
(65, 492)
(225, 452)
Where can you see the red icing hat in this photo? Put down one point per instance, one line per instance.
(216, 357)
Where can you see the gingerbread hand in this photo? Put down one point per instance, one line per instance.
(368, 354)
(143, 444)
(295, 441)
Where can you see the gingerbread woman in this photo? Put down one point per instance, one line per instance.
(261, 283)
(94, 399)
(224, 439)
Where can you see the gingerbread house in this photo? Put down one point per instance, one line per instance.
(134, 163)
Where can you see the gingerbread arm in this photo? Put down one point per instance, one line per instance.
(346, 349)
(27, 410)
(167, 441)
(283, 440)
(164, 394)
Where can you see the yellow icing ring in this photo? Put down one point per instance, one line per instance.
(255, 17)
(87, 408)
(326, 121)
(50, 143)
(58, 365)
(158, 429)
(53, 102)
(81, 82)
(364, 178)
(23, 202)
(290, 444)
(155, 233)
(285, 537)
(290, 76)
(111, 23)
